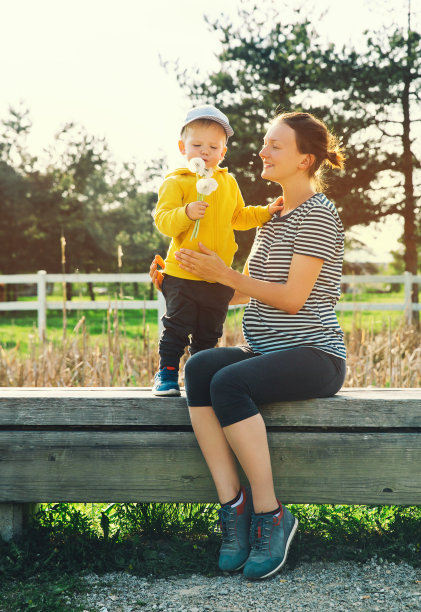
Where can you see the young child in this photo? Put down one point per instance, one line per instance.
(196, 309)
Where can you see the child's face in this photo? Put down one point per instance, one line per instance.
(207, 142)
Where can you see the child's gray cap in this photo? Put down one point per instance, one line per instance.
(209, 112)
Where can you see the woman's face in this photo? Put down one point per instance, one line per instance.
(281, 158)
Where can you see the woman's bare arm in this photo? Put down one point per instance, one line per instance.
(241, 298)
(289, 296)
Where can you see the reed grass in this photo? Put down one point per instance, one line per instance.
(390, 357)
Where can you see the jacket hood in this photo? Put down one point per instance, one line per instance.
(179, 171)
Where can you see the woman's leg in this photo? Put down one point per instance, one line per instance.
(235, 512)
(213, 443)
(237, 390)
(216, 451)
(231, 383)
(248, 440)
(234, 389)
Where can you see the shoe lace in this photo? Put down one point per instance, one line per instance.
(226, 523)
(260, 531)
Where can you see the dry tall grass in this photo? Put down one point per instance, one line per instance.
(391, 358)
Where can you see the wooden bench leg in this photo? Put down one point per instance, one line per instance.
(11, 521)
(13, 518)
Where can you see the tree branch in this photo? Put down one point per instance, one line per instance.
(387, 133)
(389, 121)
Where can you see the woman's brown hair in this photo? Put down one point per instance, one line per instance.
(313, 137)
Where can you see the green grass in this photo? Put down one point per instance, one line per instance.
(20, 329)
(397, 297)
(370, 320)
(161, 540)
(17, 328)
(43, 592)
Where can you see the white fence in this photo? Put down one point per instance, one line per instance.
(41, 304)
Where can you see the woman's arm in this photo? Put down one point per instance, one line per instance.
(241, 298)
(290, 296)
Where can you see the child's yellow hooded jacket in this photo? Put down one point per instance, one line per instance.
(226, 212)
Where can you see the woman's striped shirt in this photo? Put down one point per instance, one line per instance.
(315, 229)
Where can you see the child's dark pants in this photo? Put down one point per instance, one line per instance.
(195, 315)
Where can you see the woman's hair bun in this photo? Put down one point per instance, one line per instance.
(335, 158)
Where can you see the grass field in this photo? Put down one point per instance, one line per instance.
(19, 329)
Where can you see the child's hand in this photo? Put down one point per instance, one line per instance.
(276, 206)
(196, 210)
(156, 276)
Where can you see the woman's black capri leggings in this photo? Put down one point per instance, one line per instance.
(235, 380)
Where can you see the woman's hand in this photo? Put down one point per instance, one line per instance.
(207, 264)
(156, 275)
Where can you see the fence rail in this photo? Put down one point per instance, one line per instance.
(41, 304)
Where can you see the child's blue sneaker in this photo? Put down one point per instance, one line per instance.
(235, 527)
(166, 382)
(270, 539)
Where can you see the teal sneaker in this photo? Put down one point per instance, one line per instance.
(270, 539)
(166, 382)
(235, 527)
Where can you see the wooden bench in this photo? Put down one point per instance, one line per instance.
(362, 446)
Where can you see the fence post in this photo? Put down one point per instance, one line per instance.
(42, 304)
(407, 285)
(161, 311)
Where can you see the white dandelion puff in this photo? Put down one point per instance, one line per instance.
(197, 165)
(206, 186)
(207, 173)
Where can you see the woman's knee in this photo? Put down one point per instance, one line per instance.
(228, 377)
(198, 364)
(231, 398)
(190, 366)
(198, 373)
(226, 384)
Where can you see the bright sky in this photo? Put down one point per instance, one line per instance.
(96, 62)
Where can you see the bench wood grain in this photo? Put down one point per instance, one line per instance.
(362, 446)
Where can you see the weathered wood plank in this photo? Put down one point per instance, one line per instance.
(11, 521)
(96, 407)
(354, 468)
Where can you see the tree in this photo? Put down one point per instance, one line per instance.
(375, 111)
(284, 66)
(388, 83)
(15, 207)
(131, 222)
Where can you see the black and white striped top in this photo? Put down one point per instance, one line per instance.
(315, 229)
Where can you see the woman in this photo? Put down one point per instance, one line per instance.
(294, 350)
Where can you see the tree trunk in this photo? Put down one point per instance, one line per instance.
(91, 292)
(11, 291)
(69, 291)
